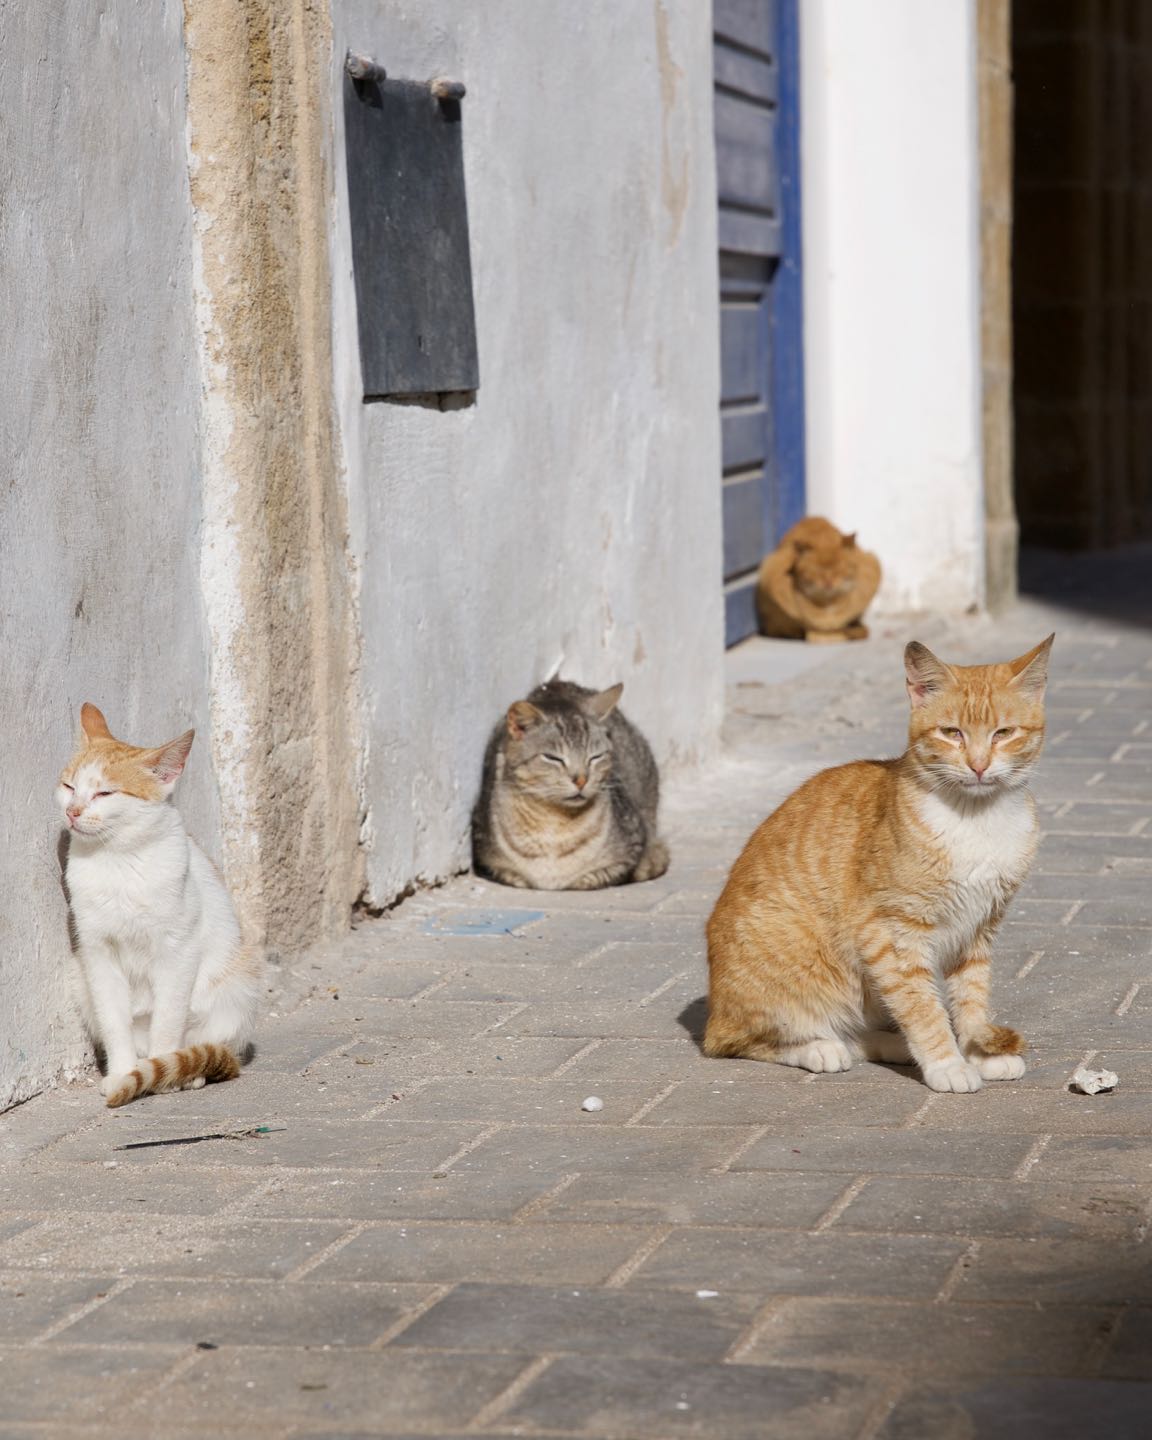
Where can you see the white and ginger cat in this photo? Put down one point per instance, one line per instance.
(859, 917)
(167, 989)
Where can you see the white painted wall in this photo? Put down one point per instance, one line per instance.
(574, 512)
(99, 505)
(890, 175)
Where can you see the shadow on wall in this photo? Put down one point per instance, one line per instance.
(1110, 584)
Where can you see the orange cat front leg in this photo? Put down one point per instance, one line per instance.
(993, 1049)
(902, 977)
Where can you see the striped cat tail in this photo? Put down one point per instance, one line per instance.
(176, 1071)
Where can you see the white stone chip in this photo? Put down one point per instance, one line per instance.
(1093, 1082)
(593, 1102)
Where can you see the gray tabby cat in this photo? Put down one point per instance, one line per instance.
(569, 795)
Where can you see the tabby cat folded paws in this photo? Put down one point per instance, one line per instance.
(999, 1067)
(958, 1076)
(822, 1056)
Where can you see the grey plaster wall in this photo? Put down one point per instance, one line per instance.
(573, 513)
(99, 505)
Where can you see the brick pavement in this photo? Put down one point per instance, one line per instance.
(440, 1242)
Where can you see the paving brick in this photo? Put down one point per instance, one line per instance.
(661, 1061)
(495, 1054)
(876, 1096)
(1105, 818)
(1096, 1159)
(1014, 1409)
(933, 1340)
(381, 1391)
(382, 978)
(220, 1312)
(45, 1188)
(620, 972)
(1131, 1355)
(167, 1245)
(766, 1262)
(14, 1224)
(434, 1019)
(1065, 854)
(897, 1152)
(601, 1020)
(61, 1430)
(32, 1303)
(444, 1253)
(54, 1385)
(912, 1204)
(500, 1100)
(31, 1128)
(611, 1149)
(652, 1399)
(1058, 1272)
(1003, 1107)
(535, 1319)
(291, 1047)
(780, 1201)
(399, 1195)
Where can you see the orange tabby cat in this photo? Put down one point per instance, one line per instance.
(859, 916)
(816, 585)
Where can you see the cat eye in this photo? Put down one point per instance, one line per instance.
(600, 755)
(950, 732)
(70, 788)
(103, 794)
(555, 759)
(1004, 734)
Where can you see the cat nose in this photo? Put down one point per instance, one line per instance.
(978, 770)
(74, 812)
(580, 781)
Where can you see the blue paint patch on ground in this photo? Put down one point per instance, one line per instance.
(482, 922)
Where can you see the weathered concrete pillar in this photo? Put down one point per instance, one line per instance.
(994, 76)
(274, 563)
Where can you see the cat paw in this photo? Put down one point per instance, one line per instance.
(999, 1067)
(956, 1076)
(824, 1057)
(197, 1083)
(111, 1083)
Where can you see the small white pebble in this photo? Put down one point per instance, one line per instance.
(593, 1102)
(111, 1164)
(707, 1294)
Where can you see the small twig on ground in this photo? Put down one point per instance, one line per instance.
(250, 1134)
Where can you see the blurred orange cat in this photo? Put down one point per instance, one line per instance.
(816, 585)
(859, 917)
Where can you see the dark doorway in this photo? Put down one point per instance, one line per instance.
(1082, 272)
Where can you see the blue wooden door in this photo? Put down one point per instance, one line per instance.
(762, 389)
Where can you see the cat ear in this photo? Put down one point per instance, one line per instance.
(1030, 672)
(848, 541)
(926, 674)
(601, 706)
(93, 724)
(167, 762)
(521, 717)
